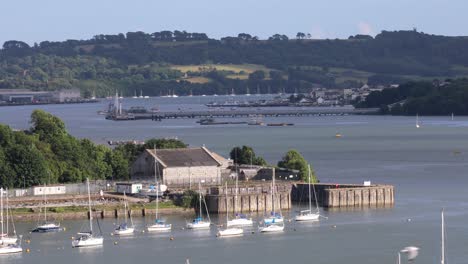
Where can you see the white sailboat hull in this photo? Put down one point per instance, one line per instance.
(6, 240)
(88, 242)
(272, 228)
(48, 227)
(240, 222)
(127, 231)
(199, 225)
(229, 232)
(11, 249)
(159, 228)
(307, 217)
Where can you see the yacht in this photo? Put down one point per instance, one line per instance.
(240, 219)
(271, 228)
(159, 225)
(308, 215)
(47, 226)
(199, 222)
(8, 245)
(124, 228)
(88, 239)
(229, 231)
(5, 236)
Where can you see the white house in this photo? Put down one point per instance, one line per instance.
(128, 188)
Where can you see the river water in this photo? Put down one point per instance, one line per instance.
(428, 167)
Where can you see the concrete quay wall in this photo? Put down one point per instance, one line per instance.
(350, 195)
(252, 198)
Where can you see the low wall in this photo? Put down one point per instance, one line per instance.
(250, 198)
(348, 195)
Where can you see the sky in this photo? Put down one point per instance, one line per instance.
(56, 20)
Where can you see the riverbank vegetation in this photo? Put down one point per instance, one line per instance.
(48, 154)
(423, 98)
(181, 62)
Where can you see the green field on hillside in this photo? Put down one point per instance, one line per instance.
(236, 68)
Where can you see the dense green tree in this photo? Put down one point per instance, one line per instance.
(120, 165)
(47, 126)
(164, 143)
(246, 155)
(295, 161)
(28, 164)
(424, 98)
(46, 153)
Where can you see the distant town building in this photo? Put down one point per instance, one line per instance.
(26, 96)
(66, 95)
(179, 166)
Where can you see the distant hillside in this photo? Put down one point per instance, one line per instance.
(180, 62)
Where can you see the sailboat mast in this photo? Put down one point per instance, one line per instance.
(310, 194)
(237, 188)
(273, 192)
(89, 207)
(45, 204)
(1, 210)
(442, 257)
(125, 208)
(156, 181)
(157, 200)
(199, 197)
(227, 206)
(7, 209)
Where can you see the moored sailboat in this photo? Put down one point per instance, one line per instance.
(47, 226)
(308, 215)
(275, 217)
(159, 225)
(8, 245)
(5, 234)
(240, 219)
(124, 228)
(275, 222)
(88, 239)
(229, 231)
(199, 222)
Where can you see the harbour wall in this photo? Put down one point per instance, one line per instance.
(345, 195)
(101, 214)
(250, 198)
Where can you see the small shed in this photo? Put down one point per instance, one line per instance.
(128, 188)
(49, 190)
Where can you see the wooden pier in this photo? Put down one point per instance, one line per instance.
(238, 113)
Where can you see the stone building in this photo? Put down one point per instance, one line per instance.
(179, 166)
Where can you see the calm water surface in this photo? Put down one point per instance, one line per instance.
(428, 167)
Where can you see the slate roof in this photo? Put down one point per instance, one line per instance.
(188, 157)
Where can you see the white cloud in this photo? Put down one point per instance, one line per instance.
(365, 28)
